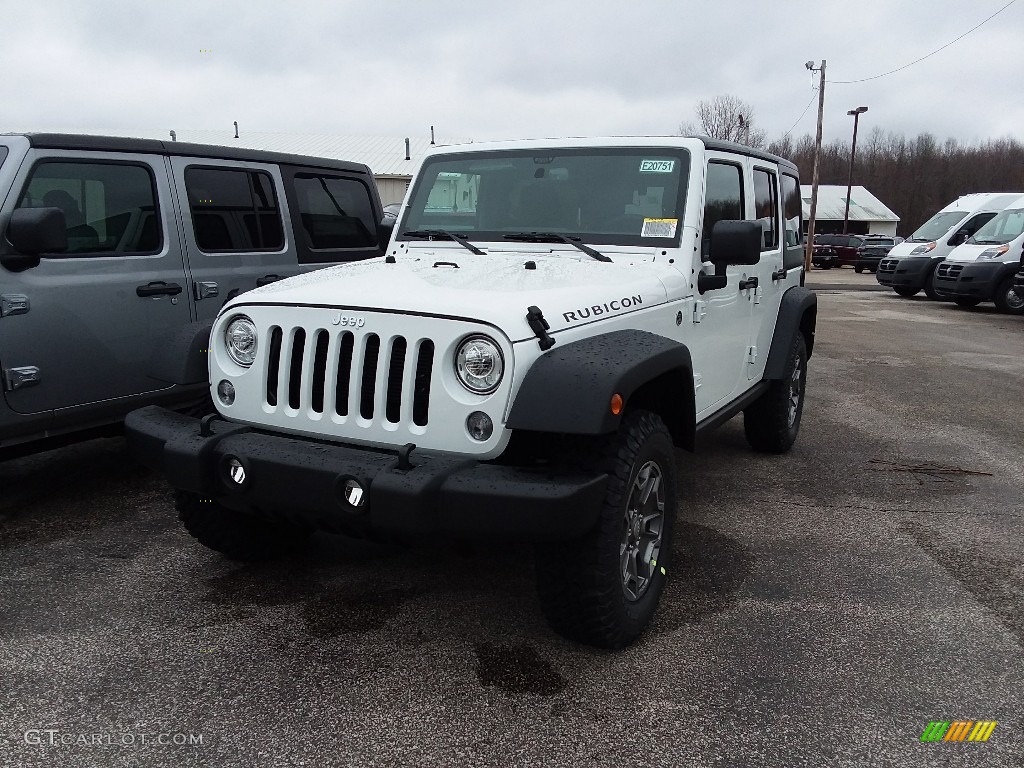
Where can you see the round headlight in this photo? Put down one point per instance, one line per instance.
(240, 340)
(479, 364)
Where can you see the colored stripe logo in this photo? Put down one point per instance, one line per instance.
(959, 730)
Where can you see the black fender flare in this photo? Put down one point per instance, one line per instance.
(797, 313)
(183, 358)
(569, 388)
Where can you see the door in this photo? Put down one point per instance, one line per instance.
(81, 326)
(233, 217)
(721, 321)
(766, 296)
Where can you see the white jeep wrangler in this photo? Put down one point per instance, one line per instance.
(552, 320)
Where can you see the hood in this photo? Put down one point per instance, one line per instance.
(570, 288)
(971, 251)
(904, 249)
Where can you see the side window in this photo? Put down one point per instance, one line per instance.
(975, 223)
(108, 207)
(233, 210)
(723, 199)
(336, 214)
(792, 208)
(3, 155)
(766, 207)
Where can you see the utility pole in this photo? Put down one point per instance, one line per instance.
(853, 153)
(809, 250)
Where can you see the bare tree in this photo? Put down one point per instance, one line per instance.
(726, 117)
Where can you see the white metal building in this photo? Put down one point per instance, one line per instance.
(392, 166)
(868, 215)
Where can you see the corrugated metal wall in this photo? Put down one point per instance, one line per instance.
(391, 189)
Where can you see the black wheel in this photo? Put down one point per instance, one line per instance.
(1007, 300)
(773, 421)
(963, 301)
(858, 269)
(906, 292)
(826, 266)
(929, 284)
(236, 535)
(603, 589)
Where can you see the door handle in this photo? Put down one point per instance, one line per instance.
(158, 288)
(267, 279)
(779, 274)
(750, 282)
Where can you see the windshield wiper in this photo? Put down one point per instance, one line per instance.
(443, 234)
(555, 237)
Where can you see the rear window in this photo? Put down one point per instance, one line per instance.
(233, 210)
(108, 207)
(336, 213)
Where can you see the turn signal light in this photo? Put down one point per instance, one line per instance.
(616, 404)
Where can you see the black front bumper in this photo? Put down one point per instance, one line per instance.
(300, 480)
(908, 272)
(973, 280)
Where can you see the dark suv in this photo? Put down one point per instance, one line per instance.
(873, 250)
(835, 250)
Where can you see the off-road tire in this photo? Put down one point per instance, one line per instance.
(966, 303)
(1006, 298)
(581, 582)
(772, 422)
(906, 292)
(929, 284)
(236, 535)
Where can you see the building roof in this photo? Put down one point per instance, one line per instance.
(832, 204)
(385, 155)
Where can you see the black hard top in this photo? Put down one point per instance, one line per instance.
(742, 149)
(157, 147)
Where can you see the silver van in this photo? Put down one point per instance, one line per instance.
(113, 249)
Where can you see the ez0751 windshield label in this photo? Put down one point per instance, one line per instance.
(657, 166)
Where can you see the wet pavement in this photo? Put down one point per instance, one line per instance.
(825, 605)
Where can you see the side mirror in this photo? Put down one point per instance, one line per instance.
(33, 231)
(385, 229)
(735, 242)
(959, 238)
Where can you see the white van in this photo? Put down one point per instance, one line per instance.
(983, 268)
(910, 266)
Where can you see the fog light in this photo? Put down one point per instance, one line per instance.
(236, 471)
(479, 426)
(354, 493)
(226, 392)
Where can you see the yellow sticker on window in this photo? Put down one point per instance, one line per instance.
(659, 228)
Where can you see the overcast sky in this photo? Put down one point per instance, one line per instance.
(523, 68)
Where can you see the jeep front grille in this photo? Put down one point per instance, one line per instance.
(350, 373)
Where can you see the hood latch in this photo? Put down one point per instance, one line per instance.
(540, 327)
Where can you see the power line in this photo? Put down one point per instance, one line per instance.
(937, 50)
(802, 113)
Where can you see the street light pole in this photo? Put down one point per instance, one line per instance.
(809, 249)
(853, 152)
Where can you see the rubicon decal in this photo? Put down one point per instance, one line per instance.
(959, 730)
(607, 308)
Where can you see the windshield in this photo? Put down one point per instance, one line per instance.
(1007, 226)
(937, 226)
(627, 196)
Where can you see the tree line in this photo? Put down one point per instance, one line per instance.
(914, 177)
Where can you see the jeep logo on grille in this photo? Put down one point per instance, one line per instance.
(350, 321)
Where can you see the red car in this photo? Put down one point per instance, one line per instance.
(835, 250)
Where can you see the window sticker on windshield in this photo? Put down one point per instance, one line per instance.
(657, 166)
(659, 228)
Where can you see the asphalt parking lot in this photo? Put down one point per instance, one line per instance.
(825, 606)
